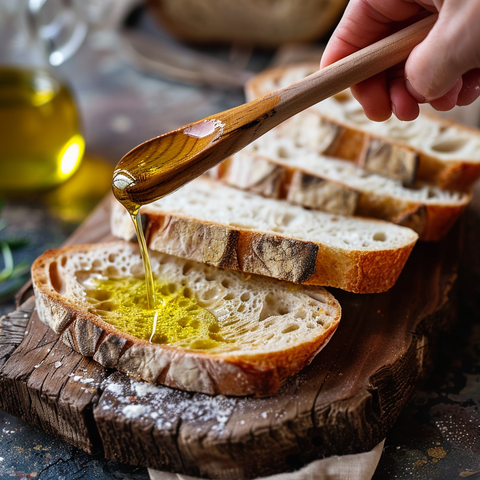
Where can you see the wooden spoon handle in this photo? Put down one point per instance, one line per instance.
(330, 80)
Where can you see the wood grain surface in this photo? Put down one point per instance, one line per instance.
(344, 402)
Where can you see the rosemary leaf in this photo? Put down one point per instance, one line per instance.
(7, 260)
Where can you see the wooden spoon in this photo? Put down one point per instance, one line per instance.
(165, 163)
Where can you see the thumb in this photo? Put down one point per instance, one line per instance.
(436, 65)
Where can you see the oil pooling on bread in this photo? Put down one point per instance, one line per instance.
(178, 318)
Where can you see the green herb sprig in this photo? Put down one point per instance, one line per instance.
(12, 276)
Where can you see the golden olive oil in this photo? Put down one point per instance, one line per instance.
(178, 319)
(40, 141)
(150, 289)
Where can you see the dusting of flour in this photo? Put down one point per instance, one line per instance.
(163, 406)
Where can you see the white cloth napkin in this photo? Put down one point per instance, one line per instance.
(360, 466)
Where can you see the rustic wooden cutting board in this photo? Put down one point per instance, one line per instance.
(344, 402)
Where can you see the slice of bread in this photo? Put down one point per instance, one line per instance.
(270, 329)
(279, 165)
(430, 148)
(226, 227)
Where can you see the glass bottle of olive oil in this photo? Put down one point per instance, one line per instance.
(40, 140)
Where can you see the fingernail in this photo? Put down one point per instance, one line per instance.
(419, 98)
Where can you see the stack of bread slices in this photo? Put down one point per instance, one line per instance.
(327, 199)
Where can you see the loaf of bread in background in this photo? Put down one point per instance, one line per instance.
(268, 23)
(431, 148)
(283, 165)
(266, 330)
(226, 227)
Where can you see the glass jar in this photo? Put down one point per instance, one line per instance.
(41, 144)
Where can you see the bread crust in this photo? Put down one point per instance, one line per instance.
(258, 374)
(279, 257)
(400, 160)
(431, 221)
(297, 186)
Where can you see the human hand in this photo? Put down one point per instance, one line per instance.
(443, 70)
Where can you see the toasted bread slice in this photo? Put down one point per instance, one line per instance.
(276, 166)
(226, 227)
(265, 330)
(431, 148)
